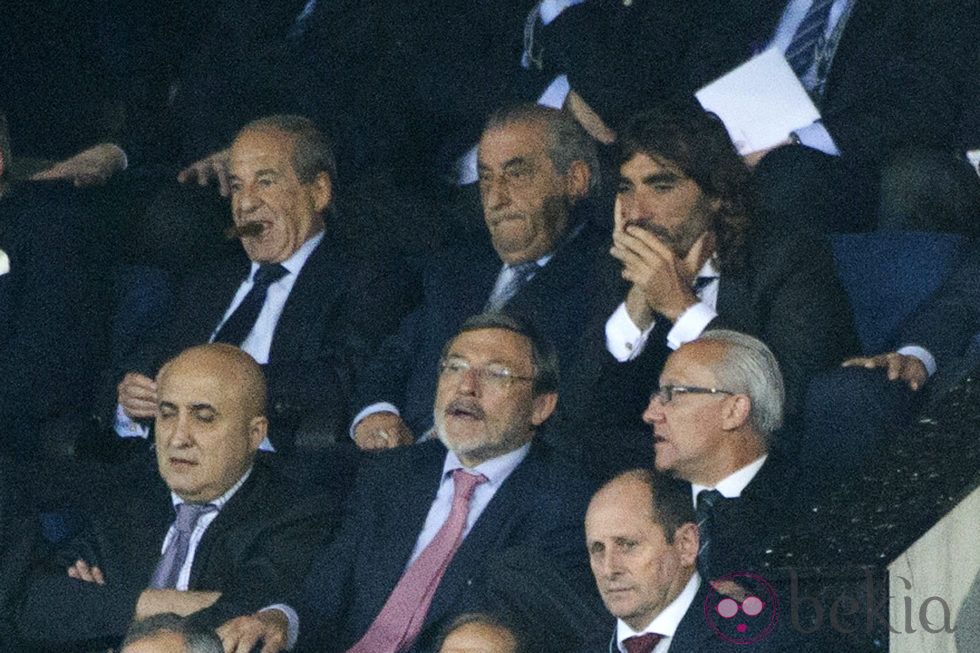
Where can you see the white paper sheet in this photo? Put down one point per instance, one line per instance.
(760, 102)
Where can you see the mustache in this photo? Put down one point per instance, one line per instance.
(467, 406)
(246, 230)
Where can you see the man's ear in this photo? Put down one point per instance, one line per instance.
(577, 179)
(686, 542)
(736, 412)
(322, 191)
(544, 405)
(258, 429)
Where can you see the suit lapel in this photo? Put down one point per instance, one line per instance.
(316, 291)
(409, 503)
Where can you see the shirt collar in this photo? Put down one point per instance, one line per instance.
(732, 485)
(220, 502)
(709, 269)
(295, 262)
(496, 469)
(666, 622)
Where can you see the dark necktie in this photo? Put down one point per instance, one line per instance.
(237, 327)
(520, 274)
(707, 500)
(174, 556)
(401, 618)
(802, 49)
(641, 643)
(701, 283)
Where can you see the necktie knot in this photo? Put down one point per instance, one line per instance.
(464, 483)
(641, 643)
(268, 274)
(708, 499)
(188, 515)
(702, 282)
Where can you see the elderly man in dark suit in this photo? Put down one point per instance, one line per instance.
(713, 418)
(536, 168)
(430, 527)
(686, 256)
(242, 534)
(300, 304)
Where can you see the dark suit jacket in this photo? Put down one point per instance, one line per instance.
(894, 80)
(456, 286)
(255, 550)
(540, 506)
(946, 322)
(765, 515)
(53, 314)
(789, 296)
(338, 310)
(20, 542)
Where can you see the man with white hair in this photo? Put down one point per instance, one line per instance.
(720, 400)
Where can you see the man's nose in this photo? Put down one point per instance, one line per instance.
(495, 193)
(246, 199)
(469, 382)
(655, 410)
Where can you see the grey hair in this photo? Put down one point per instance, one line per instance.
(567, 141)
(313, 153)
(749, 367)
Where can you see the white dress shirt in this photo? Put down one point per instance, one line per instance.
(259, 340)
(665, 623)
(625, 341)
(732, 485)
(199, 529)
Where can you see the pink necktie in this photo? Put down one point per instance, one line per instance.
(401, 618)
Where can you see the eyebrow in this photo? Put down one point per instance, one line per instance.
(662, 178)
(203, 406)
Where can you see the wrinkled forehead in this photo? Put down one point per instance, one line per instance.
(695, 361)
(525, 140)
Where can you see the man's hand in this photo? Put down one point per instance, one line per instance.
(87, 168)
(664, 281)
(752, 158)
(154, 601)
(214, 166)
(241, 634)
(137, 394)
(382, 430)
(82, 571)
(900, 366)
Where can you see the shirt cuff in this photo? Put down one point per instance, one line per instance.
(690, 324)
(126, 427)
(624, 340)
(292, 630)
(377, 407)
(922, 354)
(816, 136)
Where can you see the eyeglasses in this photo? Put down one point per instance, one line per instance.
(666, 393)
(496, 376)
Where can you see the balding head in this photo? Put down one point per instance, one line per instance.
(642, 542)
(210, 420)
